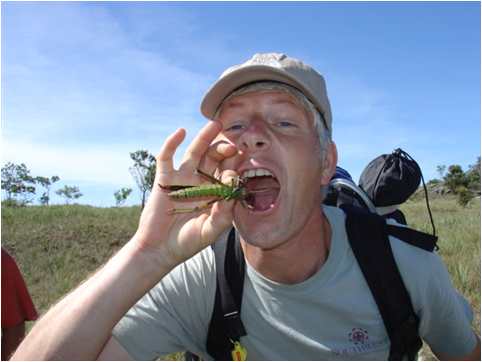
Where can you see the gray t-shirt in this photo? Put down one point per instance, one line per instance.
(330, 316)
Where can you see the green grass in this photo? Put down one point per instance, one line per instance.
(57, 247)
(458, 229)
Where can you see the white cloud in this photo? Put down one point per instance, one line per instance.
(108, 165)
(77, 101)
(93, 75)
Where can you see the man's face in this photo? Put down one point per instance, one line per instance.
(279, 144)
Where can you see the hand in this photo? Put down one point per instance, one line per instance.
(177, 237)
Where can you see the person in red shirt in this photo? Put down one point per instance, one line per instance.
(17, 306)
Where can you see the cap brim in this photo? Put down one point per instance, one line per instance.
(239, 77)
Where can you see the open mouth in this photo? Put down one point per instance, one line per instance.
(262, 189)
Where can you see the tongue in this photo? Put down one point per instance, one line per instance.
(263, 200)
(263, 182)
(263, 192)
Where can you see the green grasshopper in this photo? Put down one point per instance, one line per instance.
(217, 189)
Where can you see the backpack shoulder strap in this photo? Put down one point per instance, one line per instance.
(226, 326)
(368, 237)
(413, 237)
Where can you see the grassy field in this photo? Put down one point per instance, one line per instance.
(57, 247)
(458, 229)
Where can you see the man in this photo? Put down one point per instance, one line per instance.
(304, 296)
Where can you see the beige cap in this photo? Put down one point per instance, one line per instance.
(270, 67)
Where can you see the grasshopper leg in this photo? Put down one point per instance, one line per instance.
(204, 206)
(209, 177)
(170, 188)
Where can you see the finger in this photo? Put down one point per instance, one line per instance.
(221, 150)
(220, 219)
(216, 153)
(221, 215)
(227, 176)
(164, 159)
(233, 162)
(200, 145)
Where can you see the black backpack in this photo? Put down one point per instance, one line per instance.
(389, 179)
(375, 259)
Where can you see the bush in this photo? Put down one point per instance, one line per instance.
(12, 203)
(463, 196)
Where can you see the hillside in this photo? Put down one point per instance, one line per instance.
(57, 247)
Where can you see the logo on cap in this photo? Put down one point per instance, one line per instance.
(272, 59)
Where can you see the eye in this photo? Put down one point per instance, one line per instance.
(234, 127)
(285, 124)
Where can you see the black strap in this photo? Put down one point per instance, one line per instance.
(226, 325)
(344, 198)
(413, 237)
(397, 215)
(368, 237)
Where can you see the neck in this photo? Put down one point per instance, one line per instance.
(298, 258)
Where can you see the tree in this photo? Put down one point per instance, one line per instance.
(455, 178)
(121, 195)
(473, 177)
(15, 183)
(143, 172)
(69, 193)
(46, 183)
(465, 185)
(441, 170)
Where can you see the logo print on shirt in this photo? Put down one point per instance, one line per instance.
(358, 336)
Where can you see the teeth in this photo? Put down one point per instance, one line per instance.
(251, 173)
(245, 204)
(256, 172)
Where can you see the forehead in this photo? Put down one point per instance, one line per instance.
(271, 97)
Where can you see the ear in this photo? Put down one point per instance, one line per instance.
(329, 164)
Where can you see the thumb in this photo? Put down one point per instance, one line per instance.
(220, 219)
(221, 215)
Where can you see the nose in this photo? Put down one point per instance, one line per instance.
(255, 137)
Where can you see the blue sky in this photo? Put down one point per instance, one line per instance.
(84, 84)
